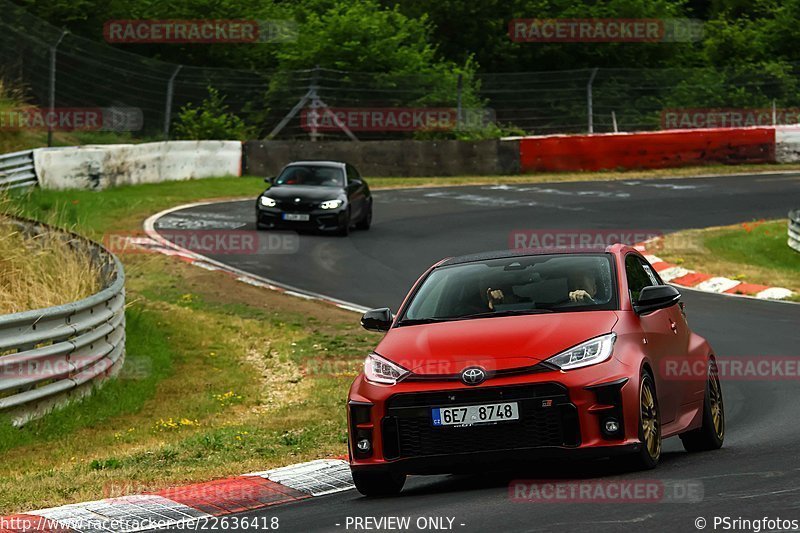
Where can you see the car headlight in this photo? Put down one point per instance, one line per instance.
(380, 370)
(266, 201)
(331, 204)
(588, 353)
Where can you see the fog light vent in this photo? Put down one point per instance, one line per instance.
(611, 426)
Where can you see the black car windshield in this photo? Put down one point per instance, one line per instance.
(311, 175)
(515, 286)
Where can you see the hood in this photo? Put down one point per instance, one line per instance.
(492, 343)
(305, 193)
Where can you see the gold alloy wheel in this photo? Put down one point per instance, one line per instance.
(651, 427)
(715, 398)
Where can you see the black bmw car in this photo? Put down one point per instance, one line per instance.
(316, 195)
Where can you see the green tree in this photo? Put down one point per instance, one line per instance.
(482, 29)
(365, 37)
(211, 120)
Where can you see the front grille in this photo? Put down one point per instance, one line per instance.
(302, 207)
(408, 431)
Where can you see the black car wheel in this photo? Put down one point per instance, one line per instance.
(366, 222)
(259, 225)
(344, 228)
(711, 434)
(378, 483)
(649, 427)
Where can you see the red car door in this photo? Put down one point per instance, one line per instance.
(688, 388)
(661, 339)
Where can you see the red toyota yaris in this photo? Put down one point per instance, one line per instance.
(496, 358)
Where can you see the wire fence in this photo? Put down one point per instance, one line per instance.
(68, 71)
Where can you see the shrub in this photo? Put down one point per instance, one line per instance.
(211, 120)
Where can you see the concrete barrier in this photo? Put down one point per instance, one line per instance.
(787, 144)
(390, 158)
(101, 166)
(660, 149)
(550, 153)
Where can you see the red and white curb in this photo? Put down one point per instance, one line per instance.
(677, 275)
(317, 478)
(191, 504)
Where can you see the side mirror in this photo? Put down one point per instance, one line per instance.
(377, 319)
(270, 180)
(656, 297)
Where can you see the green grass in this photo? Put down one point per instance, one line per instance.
(93, 213)
(752, 252)
(761, 244)
(149, 360)
(223, 378)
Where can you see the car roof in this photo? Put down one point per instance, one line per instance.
(502, 254)
(337, 164)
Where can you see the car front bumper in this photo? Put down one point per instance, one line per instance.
(319, 219)
(561, 414)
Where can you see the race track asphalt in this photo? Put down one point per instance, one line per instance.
(756, 474)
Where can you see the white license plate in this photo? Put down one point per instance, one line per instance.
(468, 415)
(295, 217)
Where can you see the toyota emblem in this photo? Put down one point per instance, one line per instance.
(473, 376)
(297, 200)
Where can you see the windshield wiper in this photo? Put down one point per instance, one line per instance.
(510, 312)
(417, 321)
(489, 314)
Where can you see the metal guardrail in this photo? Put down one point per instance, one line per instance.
(794, 229)
(49, 355)
(17, 170)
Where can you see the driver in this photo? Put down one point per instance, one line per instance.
(583, 287)
(300, 176)
(501, 296)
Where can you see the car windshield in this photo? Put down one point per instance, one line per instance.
(514, 286)
(310, 175)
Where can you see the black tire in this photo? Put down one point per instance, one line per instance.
(711, 434)
(649, 415)
(344, 229)
(366, 222)
(378, 483)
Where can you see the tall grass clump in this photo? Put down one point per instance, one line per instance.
(41, 270)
